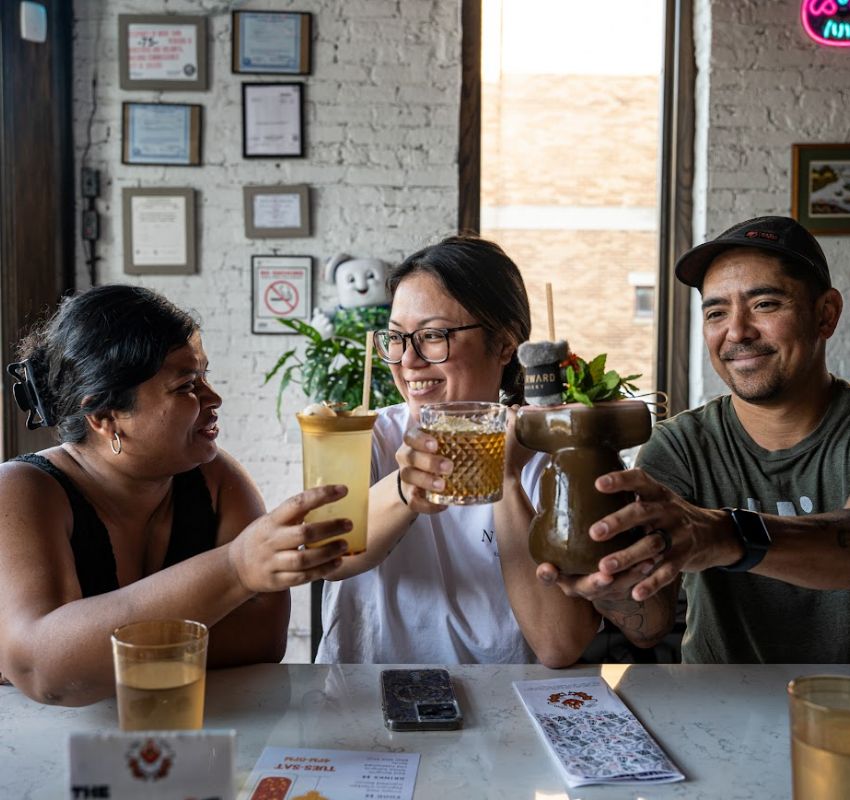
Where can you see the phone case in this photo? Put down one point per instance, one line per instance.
(419, 700)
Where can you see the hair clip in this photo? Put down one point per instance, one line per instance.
(27, 397)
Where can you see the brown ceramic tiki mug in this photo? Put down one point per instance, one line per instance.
(584, 443)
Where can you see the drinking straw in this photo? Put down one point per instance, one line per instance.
(550, 312)
(367, 369)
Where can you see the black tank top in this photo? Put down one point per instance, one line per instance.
(193, 527)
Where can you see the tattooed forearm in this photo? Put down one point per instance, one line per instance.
(643, 623)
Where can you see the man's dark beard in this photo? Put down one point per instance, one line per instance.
(761, 392)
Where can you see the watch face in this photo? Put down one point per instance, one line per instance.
(754, 538)
(752, 529)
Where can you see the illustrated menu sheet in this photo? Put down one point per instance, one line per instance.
(593, 737)
(292, 773)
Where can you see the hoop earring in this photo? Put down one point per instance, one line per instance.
(115, 444)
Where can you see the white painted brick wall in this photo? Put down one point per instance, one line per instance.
(764, 86)
(381, 131)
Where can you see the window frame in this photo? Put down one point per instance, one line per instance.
(675, 201)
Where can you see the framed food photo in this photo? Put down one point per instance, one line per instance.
(161, 133)
(281, 289)
(166, 52)
(271, 42)
(820, 192)
(272, 120)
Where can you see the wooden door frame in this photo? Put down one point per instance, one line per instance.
(36, 221)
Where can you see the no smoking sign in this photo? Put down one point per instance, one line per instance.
(281, 297)
(281, 291)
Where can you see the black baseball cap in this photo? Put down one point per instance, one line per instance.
(781, 235)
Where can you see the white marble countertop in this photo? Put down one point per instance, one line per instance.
(726, 727)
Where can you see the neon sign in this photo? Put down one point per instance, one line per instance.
(827, 21)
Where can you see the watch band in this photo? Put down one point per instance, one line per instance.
(753, 536)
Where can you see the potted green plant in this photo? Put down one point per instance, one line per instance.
(583, 436)
(331, 368)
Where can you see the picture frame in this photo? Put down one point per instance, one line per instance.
(271, 42)
(820, 187)
(277, 212)
(272, 120)
(281, 288)
(165, 52)
(166, 134)
(159, 231)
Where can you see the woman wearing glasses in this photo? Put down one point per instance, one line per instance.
(449, 584)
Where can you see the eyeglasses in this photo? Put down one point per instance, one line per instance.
(430, 344)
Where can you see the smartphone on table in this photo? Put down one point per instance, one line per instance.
(419, 700)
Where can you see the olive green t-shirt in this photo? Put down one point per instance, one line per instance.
(706, 456)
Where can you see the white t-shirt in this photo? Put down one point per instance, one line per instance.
(439, 597)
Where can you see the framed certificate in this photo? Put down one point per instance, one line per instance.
(276, 212)
(159, 231)
(272, 120)
(281, 287)
(271, 42)
(162, 51)
(161, 133)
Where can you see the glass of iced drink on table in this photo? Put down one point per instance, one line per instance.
(337, 448)
(820, 737)
(472, 436)
(160, 674)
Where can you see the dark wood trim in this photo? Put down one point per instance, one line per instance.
(469, 152)
(316, 589)
(676, 204)
(36, 190)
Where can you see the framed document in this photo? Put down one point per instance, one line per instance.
(161, 133)
(272, 120)
(162, 51)
(280, 289)
(271, 42)
(159, 231)
(277, 212)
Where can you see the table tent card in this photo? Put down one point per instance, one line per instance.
(292, 773)
(152, 765)
(591, 734)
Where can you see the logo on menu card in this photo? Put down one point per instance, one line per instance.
(572, 700)
(149, 760)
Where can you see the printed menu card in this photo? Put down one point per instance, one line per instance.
(292, 773)
(591, 734)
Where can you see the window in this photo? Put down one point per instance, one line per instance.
(644, 302)
(567, 162)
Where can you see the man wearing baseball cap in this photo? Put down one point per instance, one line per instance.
(744, 498)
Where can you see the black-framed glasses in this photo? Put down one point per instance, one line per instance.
(430, 344)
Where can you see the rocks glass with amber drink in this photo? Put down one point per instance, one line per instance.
(820, 737)
(160, 674)
(472, 436)
(337, 448)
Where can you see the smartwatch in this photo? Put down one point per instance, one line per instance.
(753, 536)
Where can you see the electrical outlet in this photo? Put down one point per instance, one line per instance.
(90, 182)
(91, 225)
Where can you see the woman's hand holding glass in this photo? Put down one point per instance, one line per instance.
(272, 553)
(421, 469)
